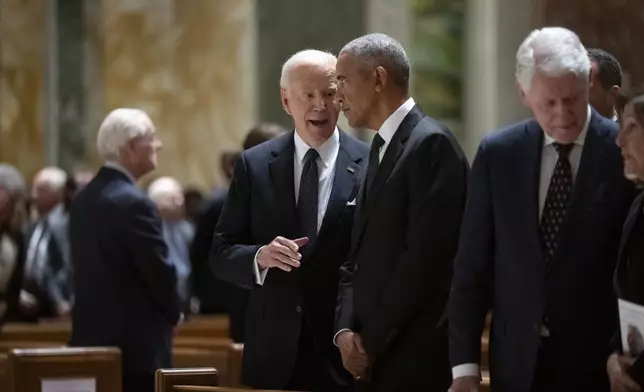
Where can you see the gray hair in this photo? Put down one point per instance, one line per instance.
(552, 51)
(118, 128)
(164, 187)
(382, 50)
(308, 56)
(54, 177)
(11, 181)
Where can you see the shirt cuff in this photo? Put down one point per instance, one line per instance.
(466, 370)
(335, 337)
(260, 276)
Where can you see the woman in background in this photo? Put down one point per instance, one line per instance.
(12, 247)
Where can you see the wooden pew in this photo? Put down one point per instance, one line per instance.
(215, 326)
(28, 369)
(166, 379)
(192, 388)
(235, 356)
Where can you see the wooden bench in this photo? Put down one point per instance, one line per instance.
(29, 369)
(192, 388)
(166, 379)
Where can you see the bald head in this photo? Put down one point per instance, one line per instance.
(167, 194)
(48, 189)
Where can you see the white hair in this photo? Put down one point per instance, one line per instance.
(308, 56)
(11, 181)
(118, 128)
(164, 187)
(53, 177)
(552, 51)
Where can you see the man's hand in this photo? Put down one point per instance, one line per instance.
(282, 253)
(354, 356)
(465, 384)
(28, 303)
(64, 309)
(617, 366)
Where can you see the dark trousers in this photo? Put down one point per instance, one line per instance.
(139, 383)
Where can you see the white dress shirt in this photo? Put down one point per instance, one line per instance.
(386, 132)
(328, 152)
(549, 158)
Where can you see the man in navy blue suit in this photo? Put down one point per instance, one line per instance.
(546, 204)
(125, 287)
(285, 231)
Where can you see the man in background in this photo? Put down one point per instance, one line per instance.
(605, 82)
(124, 284)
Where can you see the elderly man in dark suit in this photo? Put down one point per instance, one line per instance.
(125, 287)
(546, 203)
(395, 283)
(284, 232)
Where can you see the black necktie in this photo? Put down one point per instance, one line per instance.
(557, 199)
(374, 161)
(307, 203)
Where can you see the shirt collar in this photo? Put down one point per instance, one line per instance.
(548, 140)
(118, 167)
(325, 150)
(391, 124)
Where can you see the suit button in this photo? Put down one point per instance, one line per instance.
(299, 309)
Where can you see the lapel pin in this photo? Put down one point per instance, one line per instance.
(350, 169)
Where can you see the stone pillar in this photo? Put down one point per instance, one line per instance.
(495, 29)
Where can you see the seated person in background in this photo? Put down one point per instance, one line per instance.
(627, 373)
(46, 286)
(12, 247)
(217, 296)
(167, 194)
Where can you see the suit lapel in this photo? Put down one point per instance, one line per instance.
(529, 178)
(281, 171)
(394, 150)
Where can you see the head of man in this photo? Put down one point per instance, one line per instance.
(631, 138)
(128, 137)
(167, 194)
(373, 79)
(12, 189)
(552, 73)
(48, 189)
(262, 133)
(605, 81)
(308, 89)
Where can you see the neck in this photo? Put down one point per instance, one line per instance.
(312, 141)
(131, 169)
(384, 109)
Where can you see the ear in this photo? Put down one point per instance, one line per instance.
(381, 78)
(615, 90)
(284, 100)
(522, 94)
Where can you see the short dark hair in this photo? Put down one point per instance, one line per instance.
(261, 133)
(609, 69)
(382, 50)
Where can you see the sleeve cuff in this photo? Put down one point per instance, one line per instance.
(260, 276)
(335, 337)
(466, 370)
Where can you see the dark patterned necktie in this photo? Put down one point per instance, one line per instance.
(557, 199)
(307, 202)
(374, 161)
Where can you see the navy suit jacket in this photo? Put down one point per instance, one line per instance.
(500, 265)
(260, 207)
(125, 288)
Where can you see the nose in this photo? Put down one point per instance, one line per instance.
(620, 140)
(319, 103)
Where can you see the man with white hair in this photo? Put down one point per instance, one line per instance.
(546, 204)
(46, 291)
(285, 231)
(124, 285)
(167, 194)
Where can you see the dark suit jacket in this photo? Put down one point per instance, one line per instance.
(125, 288)
(395, 285)
(629, 274)
(215, 295)
(260, 207)
(500, 265)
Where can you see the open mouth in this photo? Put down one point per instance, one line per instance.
(318, 123)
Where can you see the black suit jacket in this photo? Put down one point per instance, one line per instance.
(125, 288)
(500, 264)
(629, 273)
(395, 285)
(260, 207)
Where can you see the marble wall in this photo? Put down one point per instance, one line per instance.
(22, 62)
(187, 64)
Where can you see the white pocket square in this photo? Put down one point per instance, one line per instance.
(352, 202)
